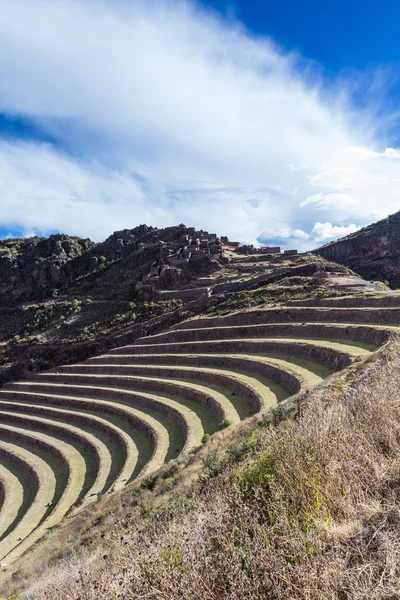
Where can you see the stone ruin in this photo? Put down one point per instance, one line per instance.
(251, 249)
(189, 294)
(192, 246)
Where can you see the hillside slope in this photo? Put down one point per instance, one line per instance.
(373, 252)
(239, 338)
(269, 510)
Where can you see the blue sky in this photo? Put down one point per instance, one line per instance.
(266, 121)
(339, 34)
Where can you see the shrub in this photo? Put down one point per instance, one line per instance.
(258, 475)
(224, 424)
(168, 484)
(212, 464)
(205, 438)
(146, 508)
(279, 414)
(150, 482)
(238, 449)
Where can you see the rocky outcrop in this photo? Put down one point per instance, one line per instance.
(35, 263)
(373, 252)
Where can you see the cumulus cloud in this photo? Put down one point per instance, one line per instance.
(284, 236)
(324, 232)
(162, 112)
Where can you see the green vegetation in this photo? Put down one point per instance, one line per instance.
(225, 423)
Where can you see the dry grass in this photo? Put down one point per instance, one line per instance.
(307, 509)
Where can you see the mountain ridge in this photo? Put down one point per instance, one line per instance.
(373, 251)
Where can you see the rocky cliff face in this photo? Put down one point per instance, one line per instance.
(373, 252)
(37, 263)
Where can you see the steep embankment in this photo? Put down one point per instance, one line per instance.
(373, 252)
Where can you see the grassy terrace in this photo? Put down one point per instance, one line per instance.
(12, 496)
(151, 428)
(39, 489)
(120, 447)
(196, 396)
(351, 333)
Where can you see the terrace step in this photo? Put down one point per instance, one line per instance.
(310, 314)
(372, 336)
(156, 432)
(127, 450)
(385, 300)
(305, 375)
(63, 500)
(255, 393)
(12, 493)
(176, 395)
(44, 486)
(331, 354)
(97, 448)
(186, 419)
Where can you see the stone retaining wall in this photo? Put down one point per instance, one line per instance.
(298, 315)
(334, 359)
(285, 379)
(103, 409)
(352, 302)
(355, 333)
(118, 394)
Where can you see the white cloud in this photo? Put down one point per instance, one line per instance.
(335, 200)
(169, 114)
(324, 232)
(44, 190)
(370, 180)
(391, 153)
(283, 234)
